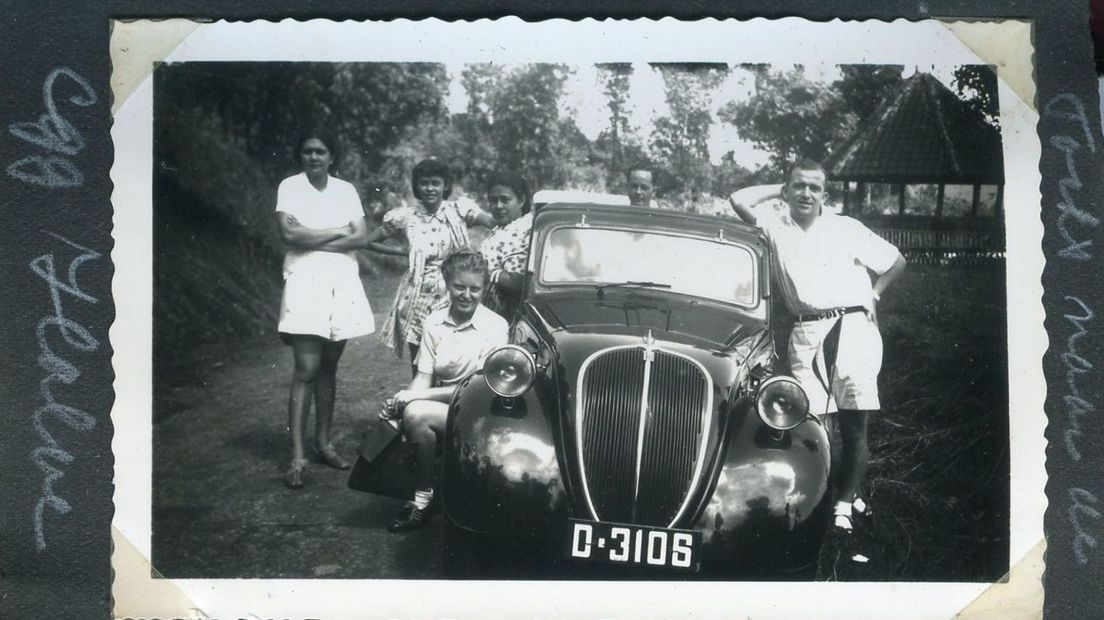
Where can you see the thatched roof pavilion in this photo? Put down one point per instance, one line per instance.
(922, 133)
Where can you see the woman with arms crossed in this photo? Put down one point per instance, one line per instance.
(321, 220)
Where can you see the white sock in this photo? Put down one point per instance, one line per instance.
(423, 498)
(843, 515)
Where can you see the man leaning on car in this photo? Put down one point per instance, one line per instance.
(823, 263)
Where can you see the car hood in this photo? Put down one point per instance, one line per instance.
(633, 312)
(577, 325)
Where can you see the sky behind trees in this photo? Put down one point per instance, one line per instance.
(583, 100)
(706, 129)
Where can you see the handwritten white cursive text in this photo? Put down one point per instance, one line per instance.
(50, 455)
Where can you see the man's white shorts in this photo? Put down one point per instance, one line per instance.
(854, 379)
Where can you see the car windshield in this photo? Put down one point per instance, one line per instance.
(608, 258)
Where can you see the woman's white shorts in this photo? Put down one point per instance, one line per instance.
(327, 303)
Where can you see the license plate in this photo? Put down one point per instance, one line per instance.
(637, 545)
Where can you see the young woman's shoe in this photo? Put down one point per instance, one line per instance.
(410, 517)
(293, 478)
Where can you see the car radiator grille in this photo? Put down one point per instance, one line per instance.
(642, 414)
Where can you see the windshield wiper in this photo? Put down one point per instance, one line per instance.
(630, 284)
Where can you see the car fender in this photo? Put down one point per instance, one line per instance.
(500, 474)
(770, 491)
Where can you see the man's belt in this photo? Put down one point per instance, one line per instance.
(829, 314)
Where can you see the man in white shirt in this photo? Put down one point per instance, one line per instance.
(824, 265)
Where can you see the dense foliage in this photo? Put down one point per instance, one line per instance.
(794, 117)
(226, 133)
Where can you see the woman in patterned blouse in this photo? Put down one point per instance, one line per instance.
(507, 248)
(433, 227)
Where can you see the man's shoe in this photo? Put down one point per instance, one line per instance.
(842, 513)
(861, 508)
(410, 517)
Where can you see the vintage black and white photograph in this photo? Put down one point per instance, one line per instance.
(604, 316)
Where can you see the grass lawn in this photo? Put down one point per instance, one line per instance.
(939, 476)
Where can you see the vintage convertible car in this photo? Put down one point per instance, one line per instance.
(636, 424)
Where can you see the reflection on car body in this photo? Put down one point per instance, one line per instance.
(636, 421)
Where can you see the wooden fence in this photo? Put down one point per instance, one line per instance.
(947, 247)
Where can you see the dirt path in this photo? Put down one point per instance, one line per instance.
(220, 508)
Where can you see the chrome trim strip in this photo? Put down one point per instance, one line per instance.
(642, 422)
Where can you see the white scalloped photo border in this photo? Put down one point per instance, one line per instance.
(137, 45)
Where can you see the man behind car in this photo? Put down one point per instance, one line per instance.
(640, 186)
(824, 263)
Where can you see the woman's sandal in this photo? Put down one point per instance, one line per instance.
(293, 478)
(328, 455)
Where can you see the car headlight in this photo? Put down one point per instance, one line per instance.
(781, 403)
(509, 371)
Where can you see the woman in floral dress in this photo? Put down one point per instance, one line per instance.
(507, 248)
(433, 227)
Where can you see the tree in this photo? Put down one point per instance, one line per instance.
(680, 140)
(615, 85)
(263, 107)
(225, 134)
(473, 127)
(729, 175)
(863, 87)
(528, 133)
(796, 118)
(976, 85)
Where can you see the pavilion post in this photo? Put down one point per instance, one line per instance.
(975, 200)
(901, 199)
(939, 201)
